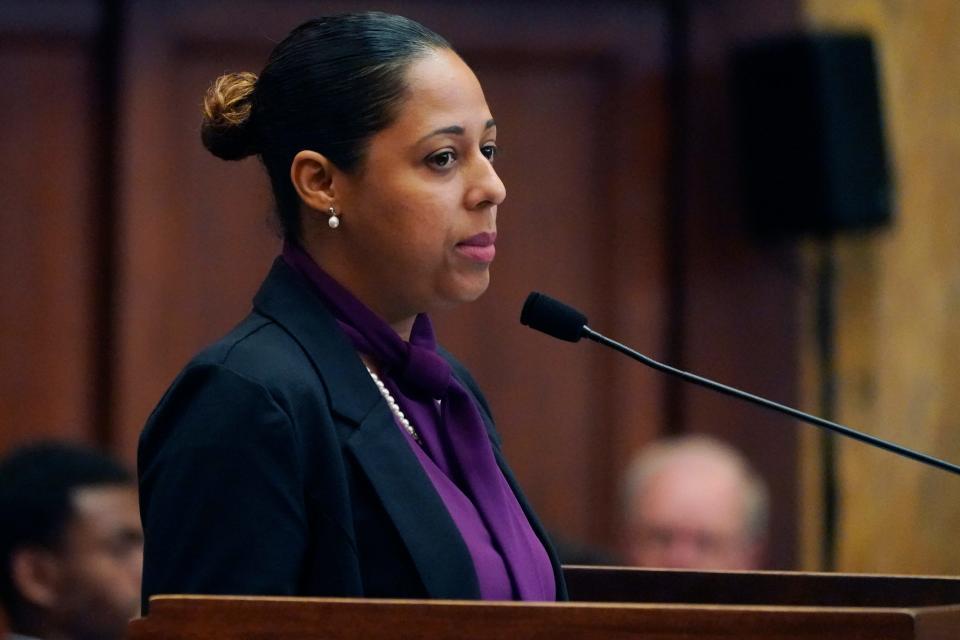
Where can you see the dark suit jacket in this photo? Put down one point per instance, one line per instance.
(272, 465)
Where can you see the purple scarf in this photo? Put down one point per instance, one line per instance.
(419, 377)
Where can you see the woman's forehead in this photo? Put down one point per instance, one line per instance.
(443, 91)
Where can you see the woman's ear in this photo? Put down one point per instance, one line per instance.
(34, 572)
(312, 176)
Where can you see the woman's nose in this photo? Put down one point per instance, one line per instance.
(486, 188)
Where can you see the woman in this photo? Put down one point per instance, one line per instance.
(326, 446)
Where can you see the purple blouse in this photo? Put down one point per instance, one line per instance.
(456, 454)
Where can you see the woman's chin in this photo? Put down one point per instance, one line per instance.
(466, 289)
(478, 286)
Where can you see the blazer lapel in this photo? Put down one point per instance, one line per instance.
(422, 520)
(287, 298)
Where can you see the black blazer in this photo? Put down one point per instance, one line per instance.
(273, 465)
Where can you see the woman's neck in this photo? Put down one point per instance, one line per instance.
(400, 321)
(403, 327)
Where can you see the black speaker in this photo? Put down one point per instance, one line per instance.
(812, 152)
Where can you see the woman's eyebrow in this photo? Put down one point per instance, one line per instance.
(456, 129)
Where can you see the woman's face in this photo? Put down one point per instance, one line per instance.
(418, 223)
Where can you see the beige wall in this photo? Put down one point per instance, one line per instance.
(898, 308)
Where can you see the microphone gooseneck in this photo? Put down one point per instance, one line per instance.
(557, 319)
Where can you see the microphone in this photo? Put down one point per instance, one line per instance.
(543, 313)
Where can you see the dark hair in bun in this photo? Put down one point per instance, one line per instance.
(329, 86)
(226, 115)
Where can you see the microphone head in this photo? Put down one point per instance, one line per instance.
(543, 313)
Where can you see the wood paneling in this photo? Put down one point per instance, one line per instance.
(898, 299)
(194, 238)
(739, 318)
(47, 190)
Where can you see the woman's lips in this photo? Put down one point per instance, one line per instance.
(480, 247)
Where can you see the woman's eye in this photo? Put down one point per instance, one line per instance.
(490, 151)
(443, 159)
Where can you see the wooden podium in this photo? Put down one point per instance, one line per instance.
(606, 603)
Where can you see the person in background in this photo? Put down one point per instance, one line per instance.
(71, 545)
(694, 503)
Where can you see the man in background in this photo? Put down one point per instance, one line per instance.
(694, 503)
(71, 545)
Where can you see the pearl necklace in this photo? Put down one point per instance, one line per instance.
(394, 407)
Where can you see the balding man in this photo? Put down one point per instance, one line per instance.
(694, 503)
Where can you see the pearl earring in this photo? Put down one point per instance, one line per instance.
(334, 220)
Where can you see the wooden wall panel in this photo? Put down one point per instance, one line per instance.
(898, 298)
(194, 236)
(739, 318)
(47, 190)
